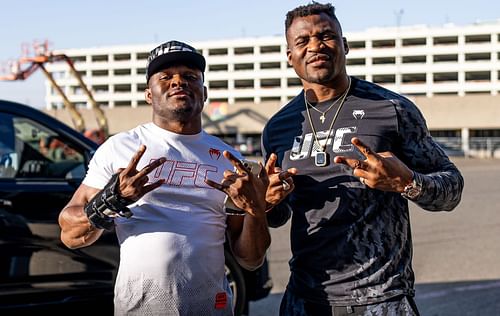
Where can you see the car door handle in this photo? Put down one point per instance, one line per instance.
(5, 203)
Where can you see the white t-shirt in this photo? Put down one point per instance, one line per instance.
(171, 249)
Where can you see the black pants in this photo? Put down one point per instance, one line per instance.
(292, 305)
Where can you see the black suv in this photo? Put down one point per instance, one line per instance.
(42, 162)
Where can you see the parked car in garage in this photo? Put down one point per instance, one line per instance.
(42, 162)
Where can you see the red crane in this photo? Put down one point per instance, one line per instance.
(25, 66)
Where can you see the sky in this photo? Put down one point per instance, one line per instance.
(92, 23)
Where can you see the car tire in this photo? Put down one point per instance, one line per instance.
(236, 281)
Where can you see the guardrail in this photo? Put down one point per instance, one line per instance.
(481, 147)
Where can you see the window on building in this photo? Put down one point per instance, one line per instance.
(244, 84)
(217, 52)
(484, 132)
(270, 49)
(141, 71)
(100, 73)
(123, 88)
(243, 100)
(446, 93)
(270, 83)
(478, 38)
(293, 82)
(76, 90)
(78, 59)
(218, 84)
(218, 67)
(477, 56)
(477, 76)
(243, 50)
(100, 88)
(142, 103)
(270, 65)
(122, 72)
(384, 60)
(415, 94)
(142, 56)
(356, 44)
(121, 57)
(80, 105)
(269, 99)
(445, 40)
(356, 61)
(414, 78)
(445, 58)
(382, 79)
(419, 59)
(123, 103)
(414, 41)
(445, 133)
(483, 92)
(219, 100)
(141, 87)
(245, 66)
(445, 76)
(387, 43)
(99, 58)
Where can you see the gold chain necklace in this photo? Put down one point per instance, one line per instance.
(322, 118)
(321, 158)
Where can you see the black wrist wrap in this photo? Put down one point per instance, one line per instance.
(107, 204)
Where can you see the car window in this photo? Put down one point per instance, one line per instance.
(31, 150)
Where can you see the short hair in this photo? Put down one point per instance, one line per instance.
(312, 8)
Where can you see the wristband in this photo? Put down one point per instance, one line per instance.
(107, 204)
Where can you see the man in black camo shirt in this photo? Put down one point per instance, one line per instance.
(361, 152)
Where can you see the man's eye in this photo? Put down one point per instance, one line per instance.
(165, 77)
(328, 37)
(301, 42)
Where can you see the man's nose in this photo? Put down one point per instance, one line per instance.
(178, 80)
(315, 44)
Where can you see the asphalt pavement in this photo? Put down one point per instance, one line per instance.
(456, 254)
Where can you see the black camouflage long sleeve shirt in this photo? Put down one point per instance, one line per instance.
(352, 244)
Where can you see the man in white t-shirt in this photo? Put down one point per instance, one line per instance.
(162, 186)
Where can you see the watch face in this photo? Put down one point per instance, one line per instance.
(412, 191)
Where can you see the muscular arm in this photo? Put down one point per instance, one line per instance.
(249, 239)
(76, 230)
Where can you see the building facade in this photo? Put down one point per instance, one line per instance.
(248, 79)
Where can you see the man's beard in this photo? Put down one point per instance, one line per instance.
(183, 114)
(320, 77)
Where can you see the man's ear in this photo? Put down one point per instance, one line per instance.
(148, 96)
(205, 93)
(289, 56)
(346, 45)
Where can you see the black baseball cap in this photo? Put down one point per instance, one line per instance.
(173, 52)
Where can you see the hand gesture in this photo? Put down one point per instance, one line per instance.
(280, 182)
(248, 191)
(133, 183)
(382, 171)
